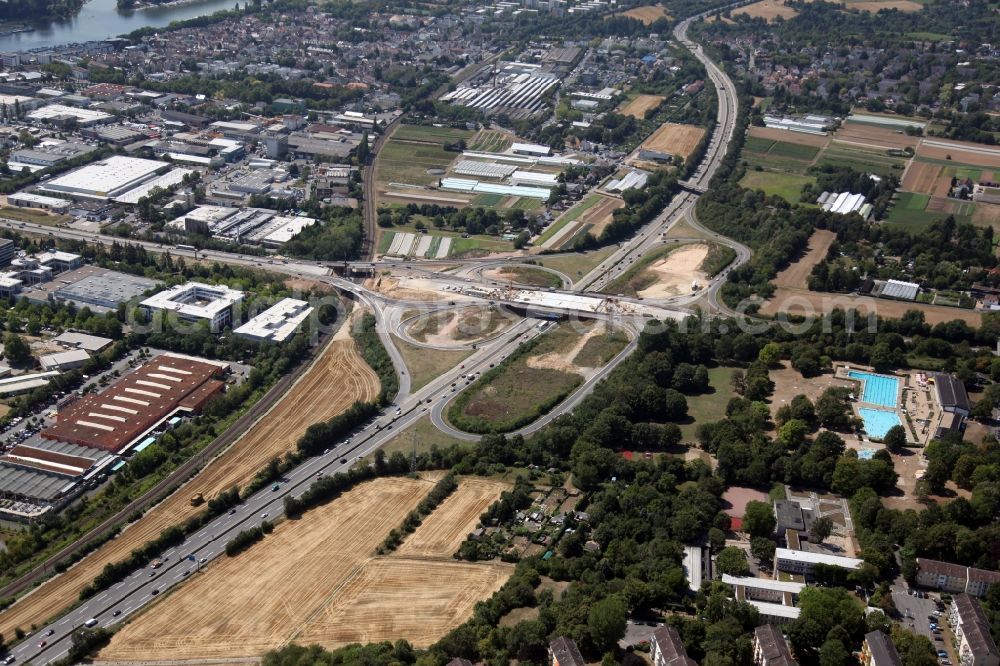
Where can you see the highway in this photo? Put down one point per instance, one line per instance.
(127, 597)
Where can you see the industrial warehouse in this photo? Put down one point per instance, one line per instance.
(91, 433)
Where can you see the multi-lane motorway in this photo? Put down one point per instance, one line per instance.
(127, 597)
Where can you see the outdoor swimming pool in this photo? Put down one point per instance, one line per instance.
(878, 421)
(879, 389)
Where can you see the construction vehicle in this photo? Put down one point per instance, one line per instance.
(197, 499)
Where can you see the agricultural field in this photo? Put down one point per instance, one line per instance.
(640, 104)
(317, 569)
(592, 214)
(337, 379)
(862, 159)
(769, 10)
(413, 151)
(491, 141)
(960, 152)
(878, 137)
(675, 139)
(817, 140)
(648, 14)
(528, 385)
(917, 211)
(785, 185)
(442, 532)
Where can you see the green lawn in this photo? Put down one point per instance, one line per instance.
(408, 163)
(709, 407)
(600, 349)
(756, 144)
(567, 217)
(796, 151)
(431, 134)
(422, 436)
(785, 185)
(488, 200)
(32, 215)
(928, 36)
(532, 276)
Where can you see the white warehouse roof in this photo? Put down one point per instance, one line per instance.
(763, 583)
(809, 557)
(83, 116)
(277, 323)
(109, 178)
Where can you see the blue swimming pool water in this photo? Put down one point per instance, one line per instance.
(879, 389)
(878, 421)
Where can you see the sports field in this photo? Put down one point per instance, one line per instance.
(336, 380)
(313, 580)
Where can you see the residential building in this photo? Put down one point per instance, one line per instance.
(878, 650)
(564, 652)
(803, 561)
(666, 649)
(770, 647)
(749, 588)
(972, 632)
(954, 578)
(195, 302)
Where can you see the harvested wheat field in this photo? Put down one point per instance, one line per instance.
(396, 597)
(256, 601)
(447, 527)
(804, 303)
(638, 107)
(817, 140)
(676, 271)
(336, 380)
(796, 274)
(675, 139)
(768, 10)
(648, 14)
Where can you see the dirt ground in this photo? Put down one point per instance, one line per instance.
(789, 382)
(403, 288)
(254, 602)
(987, 214)
(802, 302)
(637, 107)
(600, 215)
(648, 15)
(817, 140)
(798, 272)
(768, 10)
(736, 498)
(336, 380)
(443, 531)
(882, 138)
(563, 360)
(676, 271)
(922, 177)
(446, 328)
(395, 597)
(874, 6)
(961, 152)
(305, 284)
(675, 139)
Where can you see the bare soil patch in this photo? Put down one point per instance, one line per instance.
(960, 152)
(817, 140)
(675, 139)
(769, 10)
(797, 273)
(600, 215)
(337, 379)
(638, 107)
(403, 288)
(677, 271)
(447, 527)
(737, 498)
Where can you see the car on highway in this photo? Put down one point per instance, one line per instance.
(10, 660)
(116, 613)
(50, 632)
(154, 592)
(43, 644)
(232, 512)
(275, 487)
(263, 515)
(203, 560)
(343, 461)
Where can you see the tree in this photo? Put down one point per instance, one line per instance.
(763, 549)
(770, 354)
(606, 622)
(16, 350)
(833, 653)
(793, 432)
(674, 405)
(895, 438)
(758, 519)
(733, 561)
(820, 529)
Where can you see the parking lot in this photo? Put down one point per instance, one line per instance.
(915, 611)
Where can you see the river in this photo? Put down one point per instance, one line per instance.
(100, 19)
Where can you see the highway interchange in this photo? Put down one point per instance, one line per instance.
(127, 597)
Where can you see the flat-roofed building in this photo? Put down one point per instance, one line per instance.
(89, 343)
(106, 179)
(129, 409)
(775, 613)
(59, 113)
(196, 301)
(50, 155)
(804, 561)
(63, 361)
(278, 323)
(29, 200)
(60, 262)
(770, 647)
(878, 650)
(976, 646)
(667, 649)
(530, 149)
(748, 588)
